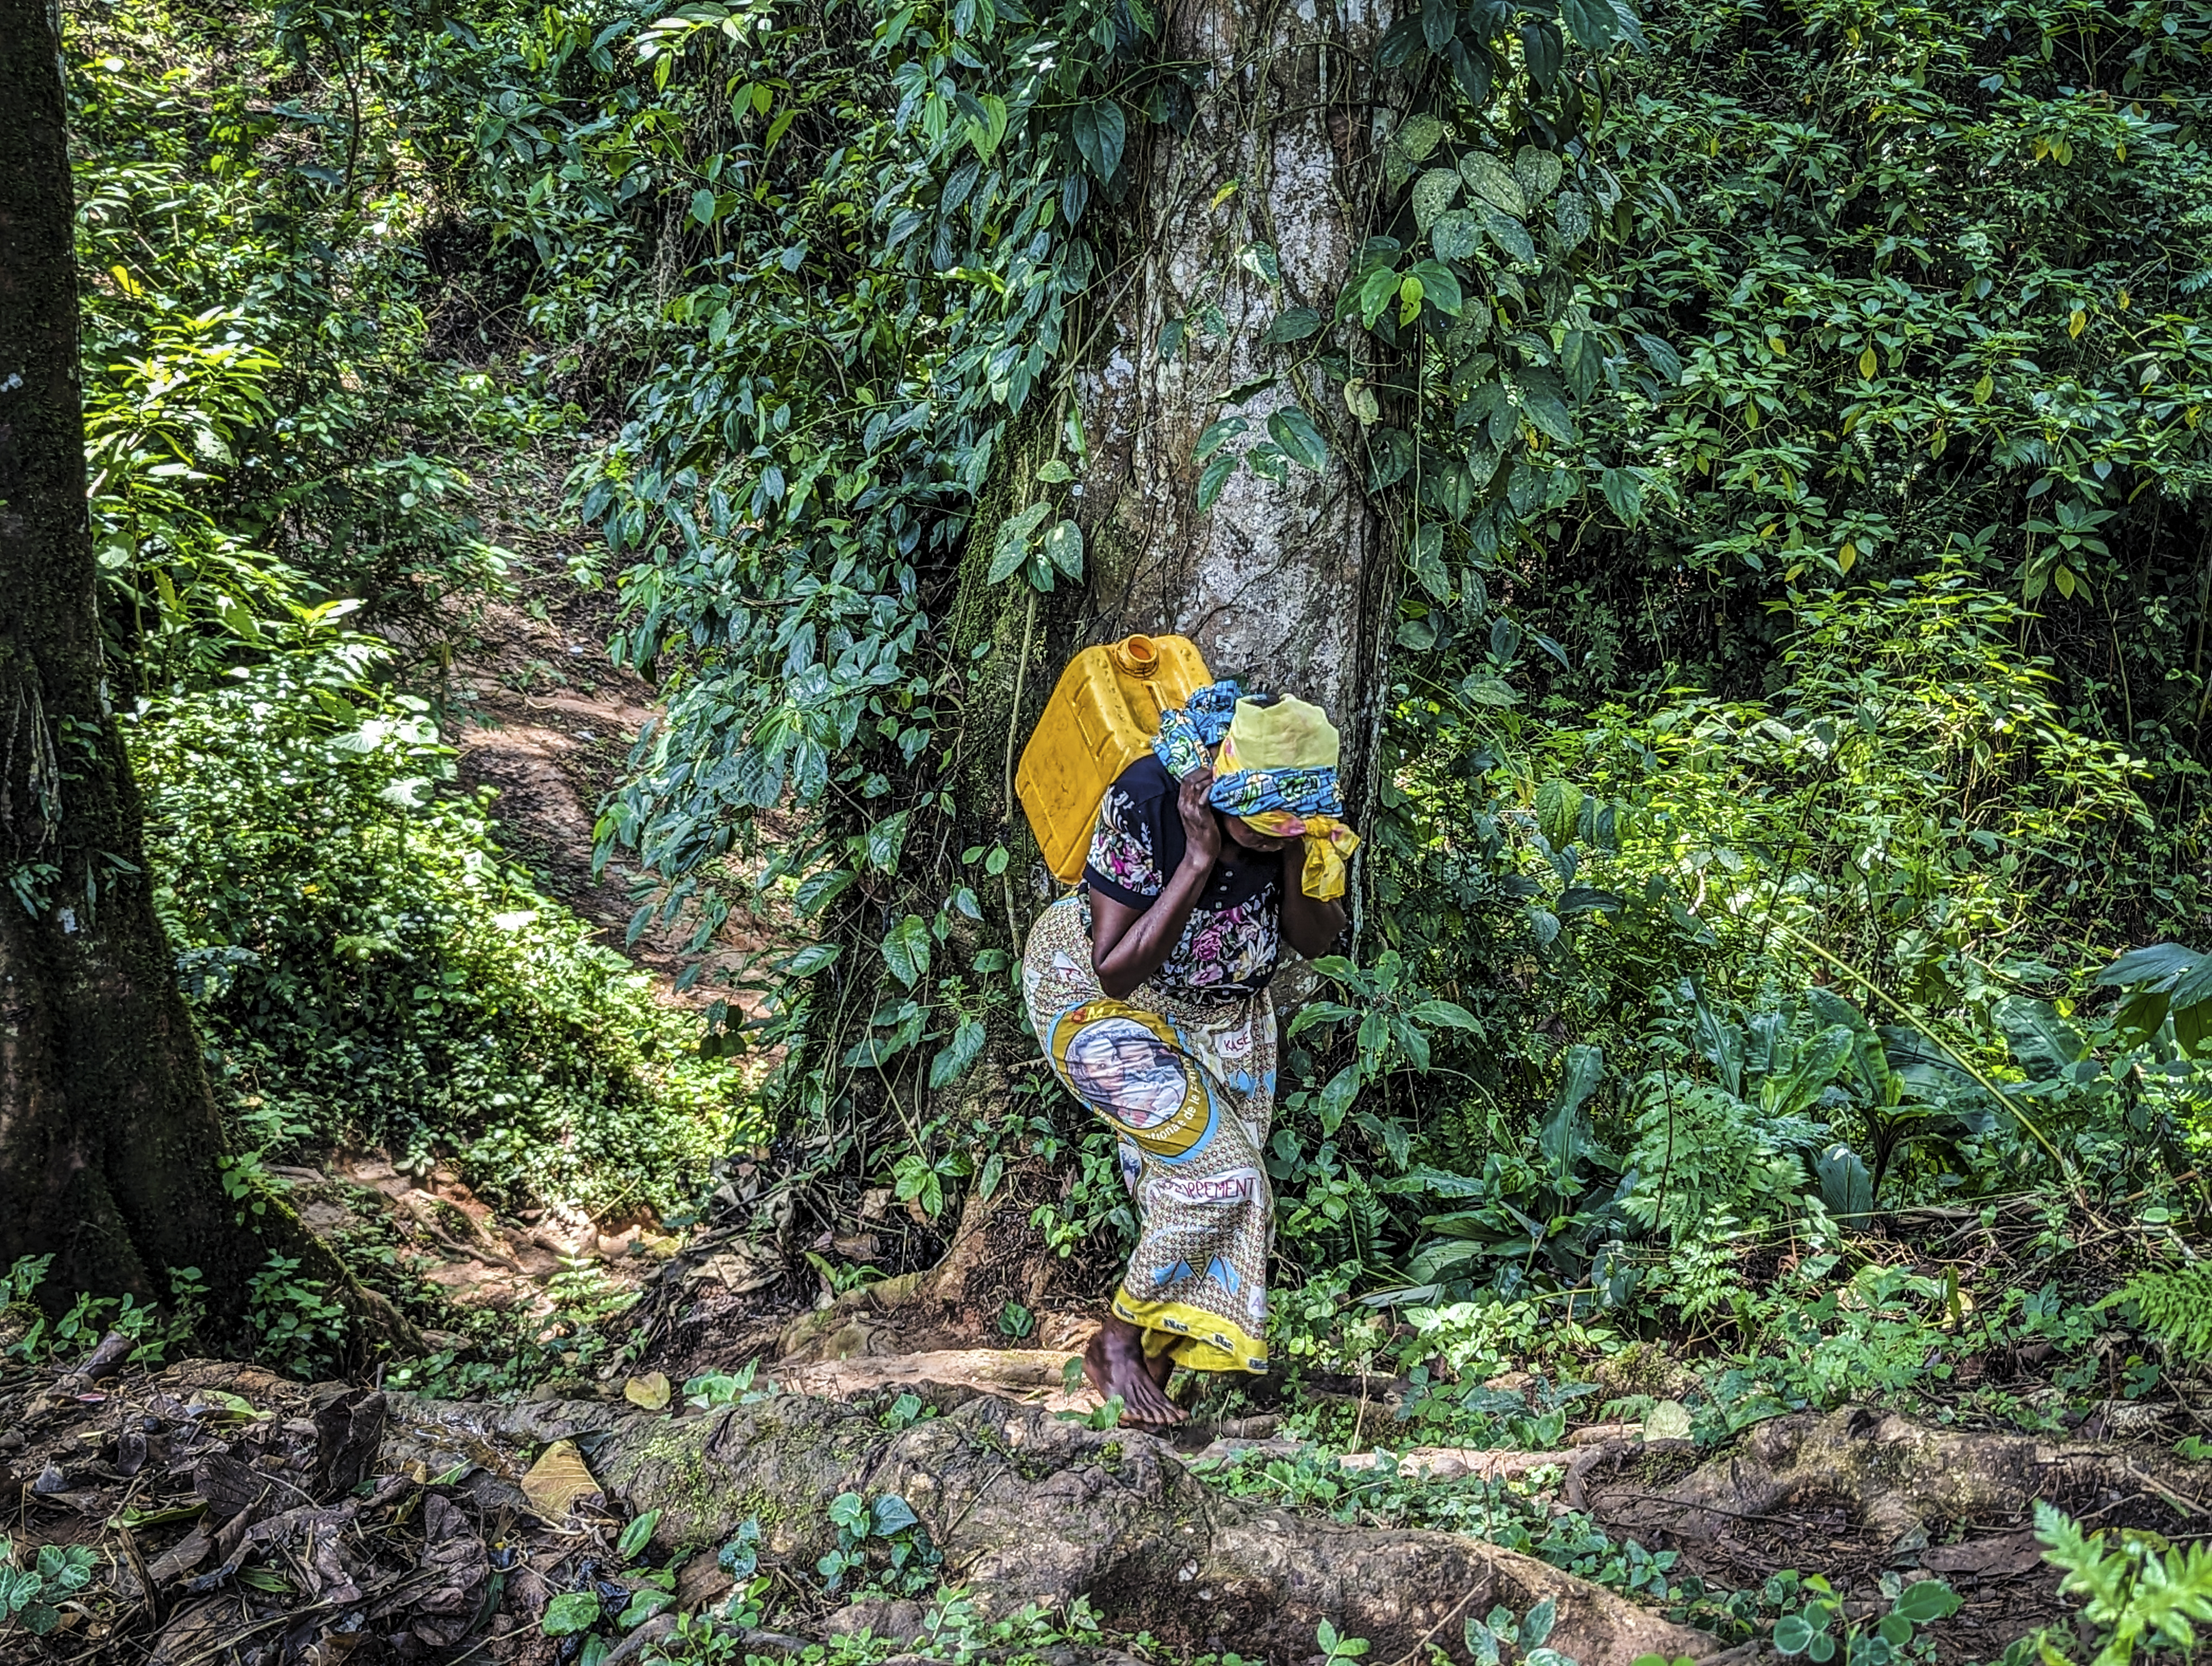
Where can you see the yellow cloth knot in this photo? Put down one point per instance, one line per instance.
(1329, 843)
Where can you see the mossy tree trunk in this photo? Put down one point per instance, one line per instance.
(1261, 207)
(110, 1140)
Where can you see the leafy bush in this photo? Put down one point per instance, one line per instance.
(366, 965)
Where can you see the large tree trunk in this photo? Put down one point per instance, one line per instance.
(1283, 583)
(110, 1140)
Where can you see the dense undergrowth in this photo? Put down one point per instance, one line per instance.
(1797, 700)
(296, 429)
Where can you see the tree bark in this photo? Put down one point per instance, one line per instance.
(1283, 584)
(110, 1140)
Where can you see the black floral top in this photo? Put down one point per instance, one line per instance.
(1235, 933)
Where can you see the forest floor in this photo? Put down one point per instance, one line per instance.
(230, 1515)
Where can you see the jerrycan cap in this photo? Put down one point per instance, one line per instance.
(1136, 655)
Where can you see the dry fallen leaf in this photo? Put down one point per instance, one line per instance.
(557, 1479)
(650, 1391)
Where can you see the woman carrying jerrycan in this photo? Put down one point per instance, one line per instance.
(1147, 988)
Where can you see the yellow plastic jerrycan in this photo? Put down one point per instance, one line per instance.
(1100, 720)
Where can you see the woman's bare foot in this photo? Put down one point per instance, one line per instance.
(1160, 1367)
(1115, 1363)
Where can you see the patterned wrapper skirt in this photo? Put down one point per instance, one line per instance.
(1189, 1086)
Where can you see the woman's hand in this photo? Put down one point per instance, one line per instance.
(1127, 944)
(1201, 828)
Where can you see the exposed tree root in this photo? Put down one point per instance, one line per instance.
(1027, 1508)
(1900, 1481)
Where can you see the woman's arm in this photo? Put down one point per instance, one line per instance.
(1127, 944)
(1309, 925)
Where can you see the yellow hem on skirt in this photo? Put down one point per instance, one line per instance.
(1197, 1340)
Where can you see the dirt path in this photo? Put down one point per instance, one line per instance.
(538, 713)
(543, 716)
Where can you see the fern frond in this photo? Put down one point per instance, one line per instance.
(2174, 1306)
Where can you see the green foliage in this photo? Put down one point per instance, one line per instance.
(1817, 1629)
(297, 1326)
(31, 1595)
(2141, 1593)
(366, 964)
(262, 432)
(40, 1337)
(886, 1543)
(2173, 1305)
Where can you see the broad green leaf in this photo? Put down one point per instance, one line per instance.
(1510, 235)
(1447, 1013)
(1432, 194)
(1294, 431)
(1213, 477)
(1793, 1634)
(906, 950)
(1846, 1188)
(1926, 1601)
(1585, 1069)
(1063, 548)
(1416, 137)
(1489, 178)
(2161, 964)
(1558, 807)
(1456, 234)
(1426, 558)
(814, 957)
(1012, 548)
(639, 1533)
(893, 1514)
(1591, 22)
(1390, 457)
(1661, 357)
(1570, 219)
(571, 1612)
(1623, 493)
(1452, 489)
(882, 842)
(2044, 1043)
(1336, 1097)
(1099, 130)
(1259, 259)
(953, 1059)
(819, 889)
(1295, 325)
(1439, 285)
(1544, 403)
(1815, 1066)
(1536, 172)
(1375, 294)
(1217, 434)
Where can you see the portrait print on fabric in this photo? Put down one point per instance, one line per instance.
(1119, 1062)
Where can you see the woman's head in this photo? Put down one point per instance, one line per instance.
(1276, 765)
